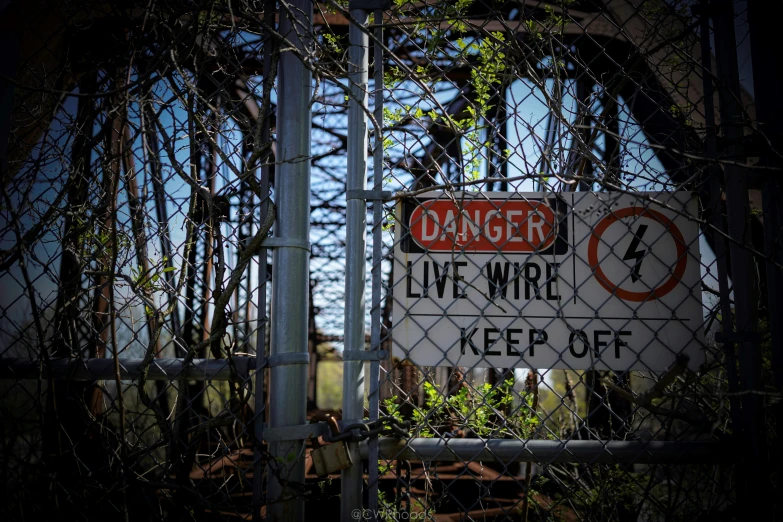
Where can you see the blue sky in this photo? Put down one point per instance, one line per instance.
(522, 99)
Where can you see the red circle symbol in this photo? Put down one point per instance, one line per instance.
(655, 293)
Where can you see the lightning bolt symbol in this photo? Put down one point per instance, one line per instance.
(633, 252)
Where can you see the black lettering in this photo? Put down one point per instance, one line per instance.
(536, 337)
(531, 280)
(517, 273)
(426, 279)
(551, 280)
(455, 278)
(409, 283)
(488, 342)
(585, 343)
(440, 277)
(468, 340)
(510, 341)
(619, 342)
(597, 342)
(498, 279)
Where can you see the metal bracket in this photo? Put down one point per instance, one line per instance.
(738, 337)
(300, 432)
(285, 359)
(278, 242)
(365, 355)
(368, 195)
(369, 5)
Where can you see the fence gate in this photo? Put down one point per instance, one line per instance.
(553, 226)
(560, 221)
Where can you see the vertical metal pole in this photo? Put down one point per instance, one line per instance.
(290, 268)
(753, 465)
(377, 246)
(260, 399)
(9, 59)
(714, 187)
(768, 84)
(356, 242)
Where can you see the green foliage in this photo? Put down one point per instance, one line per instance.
(482, 412)
(343, 4)
(392, 408)
(554, 22)
(391, 219)
(532, 29)
(682, 113)
(383, 469)
(491, 62)
(393, 117)
(330, 385)
(392, 76)
(388, 509)
(97, 241)
(332, 42)
(454, 12)
(485, 76)
(148, 280)
(616, 492)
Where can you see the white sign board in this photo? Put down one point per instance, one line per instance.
(543, 280)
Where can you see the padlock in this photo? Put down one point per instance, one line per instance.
(330, 458)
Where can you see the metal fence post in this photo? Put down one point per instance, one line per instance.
(720, 245)
(768, 81)
(356, 243)
(8, 65)
(260, 349)
(290, 276)
(753, 477)
(377, 247)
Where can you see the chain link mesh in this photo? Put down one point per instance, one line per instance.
(138, 187)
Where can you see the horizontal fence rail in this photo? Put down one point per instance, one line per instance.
(579, 451)
(129, 369)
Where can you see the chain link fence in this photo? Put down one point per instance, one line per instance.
(571, 278)
(136, 197)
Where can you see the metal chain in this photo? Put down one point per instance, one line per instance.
(359, 431)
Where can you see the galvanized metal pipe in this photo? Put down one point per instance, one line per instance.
(130, 369)
(356, 243)
(290, 268)
(259, 494)
(548, 451)
(377, 246)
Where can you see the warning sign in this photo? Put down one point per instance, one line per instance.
(510, 225)
(574, 280)
(670, 244)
